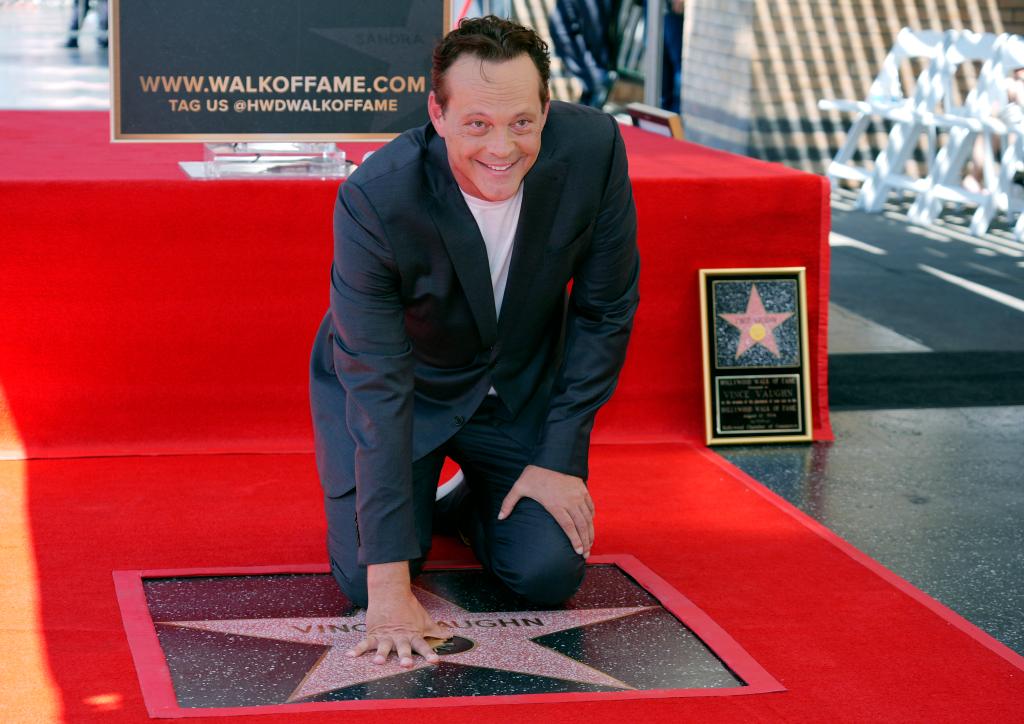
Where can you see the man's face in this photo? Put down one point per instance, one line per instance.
(492, 124)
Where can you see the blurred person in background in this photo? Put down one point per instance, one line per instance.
(79, 9)
(584, 33)
(587, 38)
(672, 55)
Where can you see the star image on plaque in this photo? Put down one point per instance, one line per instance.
(277, 642)
(756, 323)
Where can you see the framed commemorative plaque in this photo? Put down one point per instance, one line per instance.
(757, 386)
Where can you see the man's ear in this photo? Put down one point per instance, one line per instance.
(436, 114)
(544, 115)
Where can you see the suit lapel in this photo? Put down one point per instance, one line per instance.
(541, 195)
(461, 237)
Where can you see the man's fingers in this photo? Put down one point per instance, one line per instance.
(509, 503)
(581, 519)
(590, 529)
(362, 647)
(383, 649)
(590, 503)
(403, 650)
(421, 647)
(569, 526)
(402, 645)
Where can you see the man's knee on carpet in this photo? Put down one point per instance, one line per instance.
(544, 577)
(529, 552)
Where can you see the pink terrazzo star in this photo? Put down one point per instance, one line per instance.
(756, 324)
(500, 640)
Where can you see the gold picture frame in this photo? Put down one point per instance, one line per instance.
(754, 345)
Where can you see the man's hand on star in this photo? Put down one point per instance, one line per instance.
(565, 497)
(395, 620)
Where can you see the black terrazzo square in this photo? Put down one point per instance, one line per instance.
(266, 640)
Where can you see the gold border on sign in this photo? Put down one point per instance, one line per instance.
(117, 136)
(800, 274)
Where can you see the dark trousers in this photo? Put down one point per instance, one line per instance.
(528, 551)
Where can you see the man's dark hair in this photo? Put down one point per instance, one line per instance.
(493, 39)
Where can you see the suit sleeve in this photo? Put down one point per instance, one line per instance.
(373, 362)
(603, 300)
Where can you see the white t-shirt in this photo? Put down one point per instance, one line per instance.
(497, 221)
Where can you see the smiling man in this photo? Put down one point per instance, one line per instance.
(452, 332)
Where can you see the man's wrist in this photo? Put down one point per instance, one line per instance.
(388, 579)
(551, 458)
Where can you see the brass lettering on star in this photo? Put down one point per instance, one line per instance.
(322, 628)
(329, 628)
(491, 622)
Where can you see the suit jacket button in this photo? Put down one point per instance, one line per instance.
(460, 420)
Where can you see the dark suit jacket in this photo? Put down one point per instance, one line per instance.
(411, 343)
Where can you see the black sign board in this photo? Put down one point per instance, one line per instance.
(756, 371)
(264, 70)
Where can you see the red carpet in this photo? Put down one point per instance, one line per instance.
(846, 643)
(143, 314)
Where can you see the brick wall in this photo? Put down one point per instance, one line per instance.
(753, 70)
(719, 97)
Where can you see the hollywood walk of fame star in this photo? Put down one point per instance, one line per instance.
(756, 324)
(488, 640)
